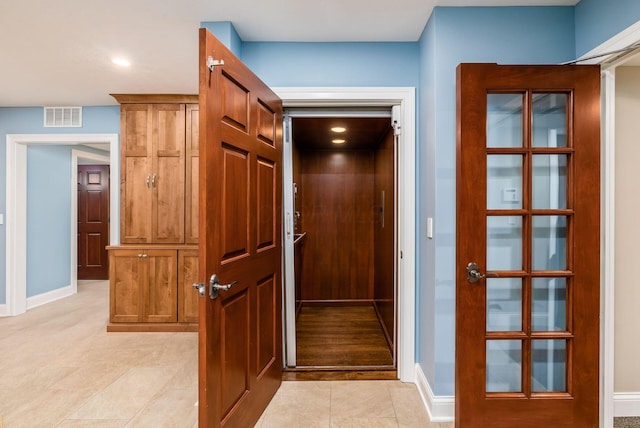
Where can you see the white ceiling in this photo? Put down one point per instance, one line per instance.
(58, 53)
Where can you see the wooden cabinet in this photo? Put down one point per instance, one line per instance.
(151, 272)
(151, 287)
(143, 285)
(152, 186)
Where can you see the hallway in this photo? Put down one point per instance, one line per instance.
(60, 368)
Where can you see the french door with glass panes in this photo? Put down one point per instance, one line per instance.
(527, 263)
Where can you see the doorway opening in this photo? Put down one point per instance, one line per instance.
(16, 244)
(91, 197)
(401, 100)
(343, 186)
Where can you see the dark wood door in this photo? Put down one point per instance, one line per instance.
(528, 204)
(240, 345)
(93, 221)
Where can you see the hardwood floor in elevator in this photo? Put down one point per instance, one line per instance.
(341, 336)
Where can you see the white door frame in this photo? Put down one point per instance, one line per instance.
(16, 205)
(404, 97)
(626, 38)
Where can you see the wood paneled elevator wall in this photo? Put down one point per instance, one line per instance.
(349, 247)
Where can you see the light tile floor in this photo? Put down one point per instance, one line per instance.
(60, 368)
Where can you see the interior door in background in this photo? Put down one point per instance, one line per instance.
(528, 246)
(93, 221)
(240, 326)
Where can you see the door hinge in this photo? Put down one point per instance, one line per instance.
(395, 120)
(212, 63)
(286, 125)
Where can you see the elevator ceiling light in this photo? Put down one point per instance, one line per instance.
(338, 129)
(338, 141)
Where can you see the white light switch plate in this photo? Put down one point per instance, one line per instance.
(430, 228)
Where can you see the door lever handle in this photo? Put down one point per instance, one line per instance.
(474, 275)
(215, 286)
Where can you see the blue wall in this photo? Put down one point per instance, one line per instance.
(333, 64)
(29, 120)
(511, 35)
(227, 34)
(599, 20)
(48, 218)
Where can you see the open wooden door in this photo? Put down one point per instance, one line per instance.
(240, 334)
(528, 248)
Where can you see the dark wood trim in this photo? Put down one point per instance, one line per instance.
(155, 98)
(354, 374)
(342, 302)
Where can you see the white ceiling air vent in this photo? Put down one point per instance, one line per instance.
(62, 117)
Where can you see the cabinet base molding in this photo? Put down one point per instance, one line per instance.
(152, 327)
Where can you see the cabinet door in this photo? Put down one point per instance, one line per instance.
(187, 296)
(160, 294)
(127, 278)
(136, 173)
(167, 180)
(192, 175)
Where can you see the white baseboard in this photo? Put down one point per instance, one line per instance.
(440, 409)
(3, 310)
(48, 297)
(626, 404)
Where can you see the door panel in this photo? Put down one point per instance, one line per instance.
(266, 203)
(236, 316)
(93, 221)
(240, 240)
(528, 214)
(235, 225)
(267, 301)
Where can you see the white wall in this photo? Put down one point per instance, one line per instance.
(627, 232)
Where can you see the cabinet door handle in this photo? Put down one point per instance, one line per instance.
(148, 181)
(153, 180)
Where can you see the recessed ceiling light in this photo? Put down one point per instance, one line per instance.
(338, 141)
(121, 62)
(338, 129)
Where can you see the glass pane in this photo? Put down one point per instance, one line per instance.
(549, 308)
(504, 243)
(504, 366)
(504, 304)
(549, 362)
(549, 120)
(550, 181)
(504, 182)
(504, 120)
(549, 244)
